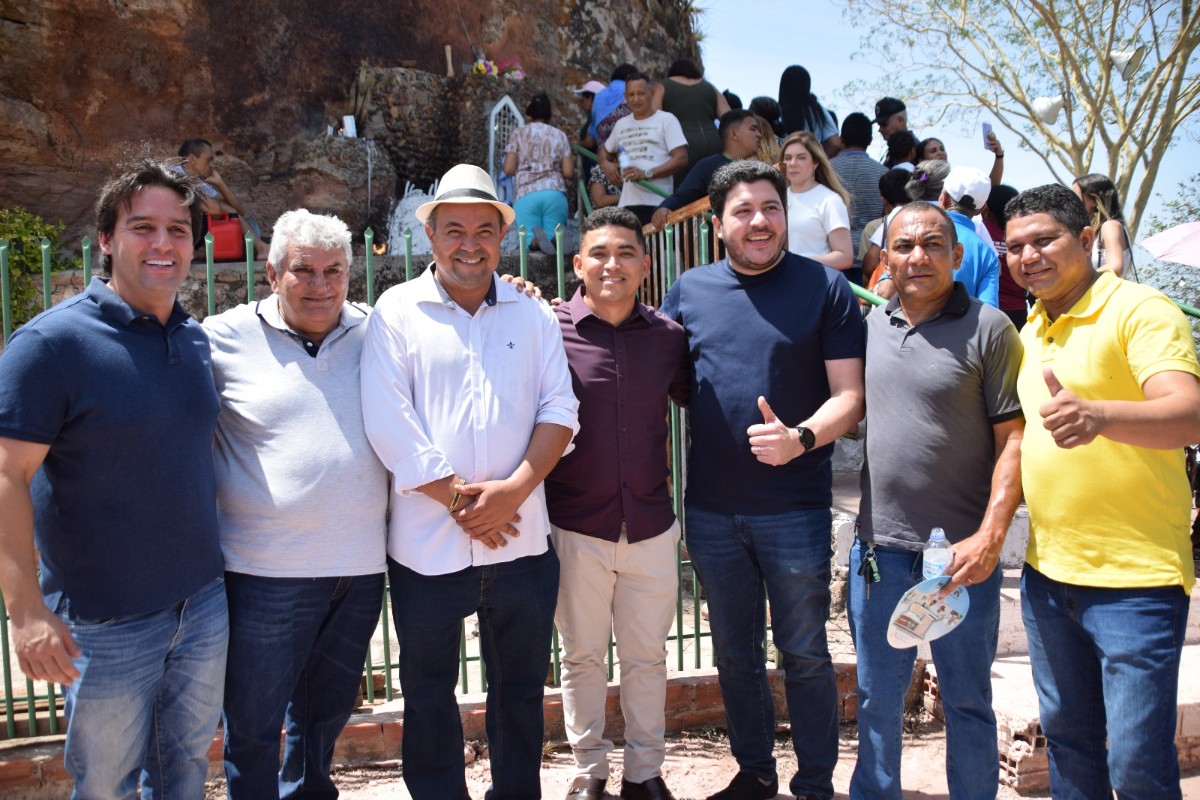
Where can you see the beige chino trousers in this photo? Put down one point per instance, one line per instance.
(630, 589)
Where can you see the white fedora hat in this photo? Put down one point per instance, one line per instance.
(466, 183)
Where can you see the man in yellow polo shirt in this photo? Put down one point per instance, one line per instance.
(1109, 388)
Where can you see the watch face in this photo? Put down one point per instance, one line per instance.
(807, 438)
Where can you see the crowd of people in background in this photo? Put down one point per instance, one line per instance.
(837, 190)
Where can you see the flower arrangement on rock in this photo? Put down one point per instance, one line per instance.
(511, 70)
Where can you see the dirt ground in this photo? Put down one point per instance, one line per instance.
(698, 764)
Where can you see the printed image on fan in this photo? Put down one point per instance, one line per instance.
(921, 616)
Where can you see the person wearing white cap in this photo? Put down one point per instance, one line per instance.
(467, 401)
(587, 100)
(963, 196)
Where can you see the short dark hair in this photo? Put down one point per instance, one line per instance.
(921, 207)
(856, 130)
(613, 217)
(729, 120)
(622, 72)
(685, 68)
(738, 172)
(193, 147)
(143, 172)
(997, 199)
(899, 145)
(891, 186)
(637, 76)
(539, 107)
(735, 102)
(1054, 199)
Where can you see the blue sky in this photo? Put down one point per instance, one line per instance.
(748, 43)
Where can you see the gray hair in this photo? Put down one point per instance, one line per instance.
(303, 228)
(927, 180)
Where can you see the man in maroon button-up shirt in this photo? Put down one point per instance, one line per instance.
(610, 512)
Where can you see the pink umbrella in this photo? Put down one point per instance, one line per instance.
(1180, 244)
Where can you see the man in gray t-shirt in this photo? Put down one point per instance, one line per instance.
(943, 443)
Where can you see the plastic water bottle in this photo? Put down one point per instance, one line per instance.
(624, 161)
(937, 555)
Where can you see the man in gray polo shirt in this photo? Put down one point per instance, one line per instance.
(942, 450)
(302, 512)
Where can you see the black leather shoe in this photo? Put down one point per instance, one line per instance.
(584, 788)
(745, 786)
(653, 789)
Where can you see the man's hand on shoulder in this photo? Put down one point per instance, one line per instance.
(530, 288)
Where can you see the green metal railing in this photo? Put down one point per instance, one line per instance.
(33, 708)
(684, 243)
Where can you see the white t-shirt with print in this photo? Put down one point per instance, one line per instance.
(649, 143)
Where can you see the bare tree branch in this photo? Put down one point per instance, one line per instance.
(963, 57)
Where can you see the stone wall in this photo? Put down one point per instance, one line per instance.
(81, 84)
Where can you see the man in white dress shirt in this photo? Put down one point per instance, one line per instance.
(467, 401)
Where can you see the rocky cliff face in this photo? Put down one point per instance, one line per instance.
(82, 83)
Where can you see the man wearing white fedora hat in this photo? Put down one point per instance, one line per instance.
(467, 401)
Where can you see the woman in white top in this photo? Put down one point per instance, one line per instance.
(1103, 204)
(818, 206)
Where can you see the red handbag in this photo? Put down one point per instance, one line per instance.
(228, 242)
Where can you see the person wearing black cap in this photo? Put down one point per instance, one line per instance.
(891, 115)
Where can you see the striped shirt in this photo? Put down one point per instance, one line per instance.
(860, 174)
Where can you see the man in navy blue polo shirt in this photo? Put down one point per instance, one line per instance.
(776, 342)
(107, 411)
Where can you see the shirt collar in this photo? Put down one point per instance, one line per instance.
(114, 306)
(268, 311)
(430, 290)
(960, 218)
(579, 310)
(958, 304)
(1090, 304)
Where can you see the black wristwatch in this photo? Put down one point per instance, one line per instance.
(807, 437)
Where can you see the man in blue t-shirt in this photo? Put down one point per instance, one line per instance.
(777, 345)
(107, 411)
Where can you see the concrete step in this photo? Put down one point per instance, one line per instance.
(1023, 758)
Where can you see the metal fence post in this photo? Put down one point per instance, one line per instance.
(523, 251)
(86, 245)
(369, 242)
(559, 258)
(408, 268)
(45, 273)
(249, 268)
(5, 308)
(210, 273)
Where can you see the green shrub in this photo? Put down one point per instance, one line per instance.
(24, 232)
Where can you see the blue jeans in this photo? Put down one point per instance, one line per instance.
(148, 699)
(1106, 662)
(964, 669)
(544, 209)
(741, 561)
(296, 653)
(515, 603)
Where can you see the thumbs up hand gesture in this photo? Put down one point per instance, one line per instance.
(772, 442)
(1071, 420)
